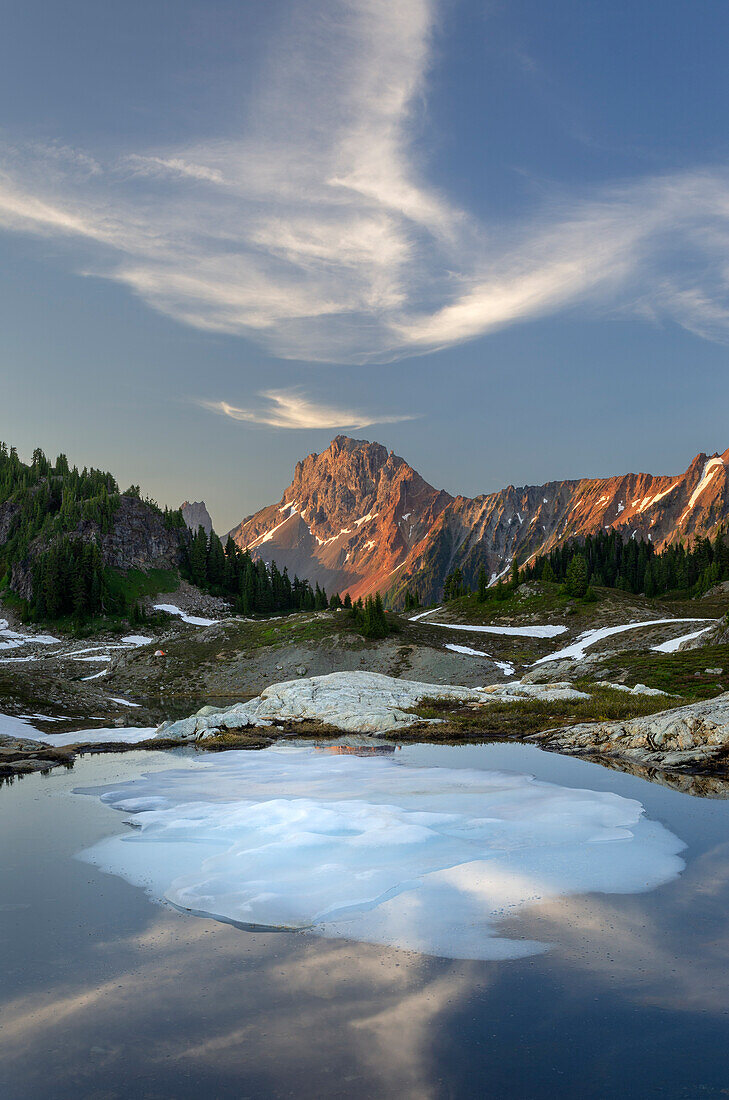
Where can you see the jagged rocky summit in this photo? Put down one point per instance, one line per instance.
(195, 515)
(358, 518)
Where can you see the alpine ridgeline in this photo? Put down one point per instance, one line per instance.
(357, 518)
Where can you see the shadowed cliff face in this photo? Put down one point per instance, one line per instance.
(358, 518)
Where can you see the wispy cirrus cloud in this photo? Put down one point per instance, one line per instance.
(292, 409)
(312, 229)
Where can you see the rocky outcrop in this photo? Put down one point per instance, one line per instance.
(359, 518)
(685, 737)
(139, 538)
(21, 755)
(354, 702)
(717, 635)
(8, 512)
(196, 515)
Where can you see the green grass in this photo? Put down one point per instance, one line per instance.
(136, 584)
(679, 673)
(522, 718)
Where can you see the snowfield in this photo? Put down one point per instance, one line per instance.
(194, 620)
(505, 666)
(466, 650)
(508, 631)
(12, 639)
(577, 650)
(674, 644)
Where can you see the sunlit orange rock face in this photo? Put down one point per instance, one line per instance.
(358, 518)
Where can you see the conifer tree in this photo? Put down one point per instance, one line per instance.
(576, 579)
(199, 558)
(215, 562)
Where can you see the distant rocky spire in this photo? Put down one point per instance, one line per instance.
(196, 515)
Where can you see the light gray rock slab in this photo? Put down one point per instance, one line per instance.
(697, 733)
(562, 689)
(638, 689)
(355, 702)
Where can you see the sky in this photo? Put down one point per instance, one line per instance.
(493, 236)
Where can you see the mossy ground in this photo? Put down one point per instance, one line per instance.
(524, 717)
(682, 673)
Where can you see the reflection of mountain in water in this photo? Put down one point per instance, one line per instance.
(358, 745)
(359, 750)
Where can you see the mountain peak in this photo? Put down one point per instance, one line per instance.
(359, 518)
(354, 502)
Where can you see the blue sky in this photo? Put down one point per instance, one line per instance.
(493, 236)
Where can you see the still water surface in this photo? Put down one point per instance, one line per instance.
(106, 993)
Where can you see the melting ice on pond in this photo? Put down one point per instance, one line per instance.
(428, 859)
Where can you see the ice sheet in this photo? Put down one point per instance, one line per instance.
(422, 858)
(129, 735)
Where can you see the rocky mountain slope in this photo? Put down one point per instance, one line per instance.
(195, 515)
(358, 518)
(351, 517)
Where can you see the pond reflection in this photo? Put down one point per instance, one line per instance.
(105, 994)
